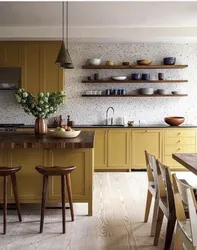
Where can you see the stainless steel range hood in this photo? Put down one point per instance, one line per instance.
(10, 78)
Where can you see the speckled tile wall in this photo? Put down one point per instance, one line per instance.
(85, 110)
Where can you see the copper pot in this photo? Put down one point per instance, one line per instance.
(174, 120)
(40, 126)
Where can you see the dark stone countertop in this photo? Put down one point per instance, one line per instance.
(121, 126)
(13, 140)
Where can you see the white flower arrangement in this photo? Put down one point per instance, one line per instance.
(42, 107)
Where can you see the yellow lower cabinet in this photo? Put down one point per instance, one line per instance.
(29, 181)
(178, 141)
(80, 177)
(118, 145)
(145, 139)
(3, 162)
(100, 149)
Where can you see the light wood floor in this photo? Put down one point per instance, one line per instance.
(117, 224)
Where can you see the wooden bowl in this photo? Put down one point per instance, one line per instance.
(144, 62)
(174, 120)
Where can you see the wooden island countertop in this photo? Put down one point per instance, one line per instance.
(26, 150)
(28, 140)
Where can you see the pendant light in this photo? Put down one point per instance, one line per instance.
(63, 58)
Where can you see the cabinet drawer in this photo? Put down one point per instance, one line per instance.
(170, 162)
(170, 149)
(180, 133)
(180, 141)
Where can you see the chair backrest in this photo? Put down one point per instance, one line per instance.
(151, 169)
(183, 194)
(165, 185)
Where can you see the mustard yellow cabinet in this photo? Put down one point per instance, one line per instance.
(31, 72)
(28, 180)
(52, 76)
(37, 62)
(81, 177)
(118, 145)
(100, 149)
(178, 141)
(11, 53)
(145, 139)
(3, 162)
(40, 73)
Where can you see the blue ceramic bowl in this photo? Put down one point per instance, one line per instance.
(146, 76)
(169, 60)
(136, 76)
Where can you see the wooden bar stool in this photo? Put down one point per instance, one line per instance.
(4, 172)
(57, 171)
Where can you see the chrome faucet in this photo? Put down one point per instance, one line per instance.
(112, 118)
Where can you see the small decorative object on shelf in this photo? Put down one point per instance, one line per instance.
(160, 76)
(41, 107)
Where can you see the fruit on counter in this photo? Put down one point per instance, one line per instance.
(57, 129)
(64, 128)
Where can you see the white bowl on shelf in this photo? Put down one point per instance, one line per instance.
(119, 78)
(64, 134)
(94, 61)
(146, 91)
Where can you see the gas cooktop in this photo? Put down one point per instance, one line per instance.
(11, 125)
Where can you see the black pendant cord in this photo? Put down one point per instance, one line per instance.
(62, 20)
(67, 25)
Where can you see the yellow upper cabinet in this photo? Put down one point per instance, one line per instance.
(31, 72)
(145, 139)
(37, 61)
(11, 54)
(41, 74)
(52, 76)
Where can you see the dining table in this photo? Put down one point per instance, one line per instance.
(188, 160)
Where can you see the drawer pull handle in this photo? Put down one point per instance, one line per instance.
(178, 149)
(179, 141)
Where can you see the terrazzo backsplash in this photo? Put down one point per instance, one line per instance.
(92, 110)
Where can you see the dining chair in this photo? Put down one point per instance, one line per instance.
(186, 231)
(166, 205)
(152, 190)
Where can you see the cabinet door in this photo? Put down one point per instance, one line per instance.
(150, 140)
(29, 181)
(100, 149)
(3, 162)
(119, 148)
(11, 53)
(31, 73)
(51, 74)
(80, 177)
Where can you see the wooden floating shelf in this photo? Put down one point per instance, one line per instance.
(154, 95)
(134, 81)
(135, 66)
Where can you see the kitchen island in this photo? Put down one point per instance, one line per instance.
(27, 150)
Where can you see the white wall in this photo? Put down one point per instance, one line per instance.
(148, 110)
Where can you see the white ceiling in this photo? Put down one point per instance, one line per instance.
(106, 20)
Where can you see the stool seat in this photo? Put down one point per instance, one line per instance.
(64, 172)
(55, 170)
(5, 172)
